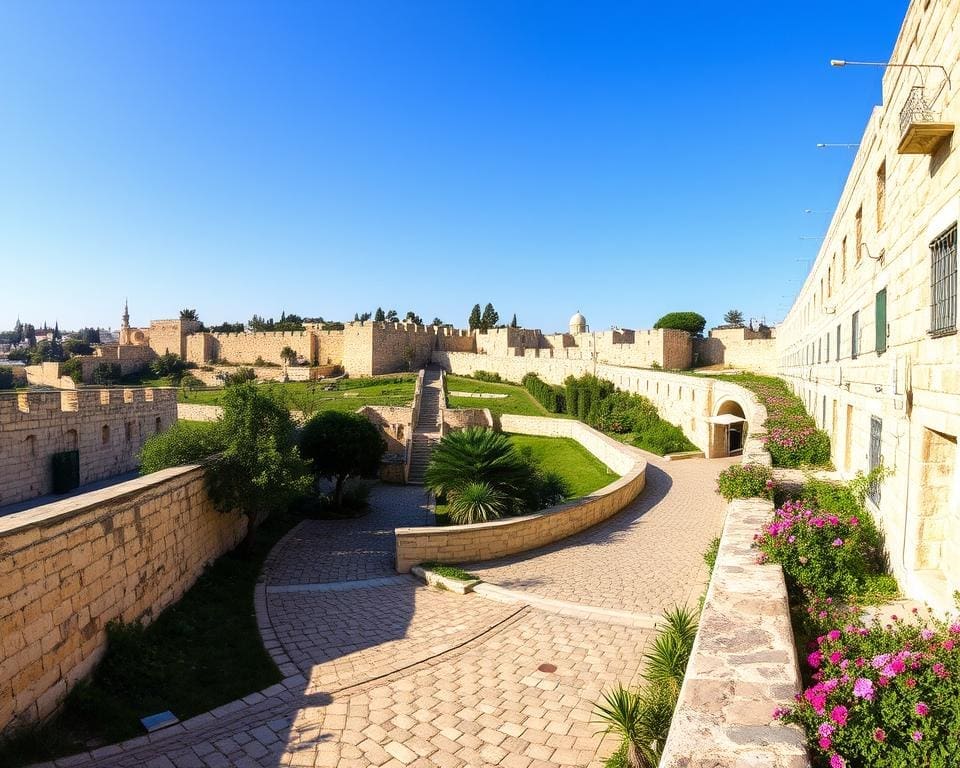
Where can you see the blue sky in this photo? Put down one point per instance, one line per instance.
(623, 159)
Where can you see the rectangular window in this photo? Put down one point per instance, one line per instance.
(858, 231)
(843, 260)
(943, 283)
(819, 349)
(880, 312)
(881, 193)
(855, 334)
(876, 457)
(838, 341)
(827, 339)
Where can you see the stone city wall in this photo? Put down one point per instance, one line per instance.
(70, 567)
(171, 336)
(401, 347)
(107, 426)
(395, 423)
(486, 541)
(245, 348)
(48, 375)
(738, 348)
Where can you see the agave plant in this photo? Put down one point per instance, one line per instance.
(478, 455)
(477, 503)
(641, 719)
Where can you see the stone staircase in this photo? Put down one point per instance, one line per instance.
(426, 432)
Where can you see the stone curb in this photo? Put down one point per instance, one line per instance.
(434, 579)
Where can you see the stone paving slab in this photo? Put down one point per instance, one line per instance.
(644, 560)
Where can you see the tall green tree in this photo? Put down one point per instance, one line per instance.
(379, 316)
(339, 445)
(260, 470)
(392, 316)
(734, 317)
(513, 322)
(189, 314)
(691, 322)
(490, 318)
(475, 317)
(413, 317)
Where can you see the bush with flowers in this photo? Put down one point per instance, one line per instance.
(826, 544)
(882, 695)
(745, 481)
(792, 436)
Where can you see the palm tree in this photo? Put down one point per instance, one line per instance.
(734, 317)
(641, 719)
(666, 663)
(189, 314)
(479, 455)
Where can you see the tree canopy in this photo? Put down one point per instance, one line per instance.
(691, 322)
(734, 317)
(339, 445)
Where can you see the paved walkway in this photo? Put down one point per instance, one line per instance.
(381, 670)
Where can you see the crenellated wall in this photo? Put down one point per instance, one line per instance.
(70, 567)
(107, 426)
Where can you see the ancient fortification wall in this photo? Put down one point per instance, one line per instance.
(68, 568)
(107, 426)
(245, 348)
(738, 348)
(401, 347)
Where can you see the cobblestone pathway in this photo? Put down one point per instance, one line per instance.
(382, 671)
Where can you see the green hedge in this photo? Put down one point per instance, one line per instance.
(66, 471)
(550, 397)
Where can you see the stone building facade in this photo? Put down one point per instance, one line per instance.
(870, 343)
(107, 426)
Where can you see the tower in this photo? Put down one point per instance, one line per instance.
(125, 324)
(578, 324)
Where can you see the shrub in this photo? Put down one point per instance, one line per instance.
(549, 396)
(6, 377)
(168, 365)
(745, 481)
(710, 556)
(339, 445)
(107, 374)
(883, 695)
(183, 443)
(72, 368)
(493, 378)
(827, 546)
(477, 502)
(241, 375)
(691, 322)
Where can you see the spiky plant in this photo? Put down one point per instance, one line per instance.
(478, 455)
(640, 718)
(477, 503)
(666, 663)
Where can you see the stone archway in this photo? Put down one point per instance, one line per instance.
(729, 428)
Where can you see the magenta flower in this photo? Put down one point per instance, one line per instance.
(815, 659)
(834, 634)
(879, 734)
(863, 689)
(825, 730)
(917, 735)
(939, 670)
(926, 633)
(922, 709)
(825, 743)
(838, 542)
(836, 761)
(839, 715)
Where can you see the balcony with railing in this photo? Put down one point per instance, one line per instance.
(921, 129)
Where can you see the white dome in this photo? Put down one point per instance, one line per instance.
(578, 319)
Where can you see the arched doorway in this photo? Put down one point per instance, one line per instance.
(728, 429)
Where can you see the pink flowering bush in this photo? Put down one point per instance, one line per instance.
(827, 546)
(882, 695)
(745, 481)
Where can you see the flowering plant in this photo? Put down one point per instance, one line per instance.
(825, 544)
(883, 695)
(744, 481)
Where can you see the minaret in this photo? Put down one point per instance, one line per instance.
(125, 324)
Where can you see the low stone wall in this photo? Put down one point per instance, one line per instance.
(198, 412)
(486, 541)
(68, 568)
(743, 664)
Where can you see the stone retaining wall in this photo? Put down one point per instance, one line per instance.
(70, 567)
(486, 541)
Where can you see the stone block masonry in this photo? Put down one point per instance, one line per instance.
(107, 426)
(70, 567)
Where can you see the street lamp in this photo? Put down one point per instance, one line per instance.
(885, 64)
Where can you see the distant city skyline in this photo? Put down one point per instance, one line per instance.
(326, 159)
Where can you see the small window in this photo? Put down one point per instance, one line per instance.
(880, 312)
(838, 341)
(943, 283)
(157, 425)
(876, 455)
(819, 350)
(843, 260)
(827, 339)
(105, 434)
(128, 430)
(855, 334)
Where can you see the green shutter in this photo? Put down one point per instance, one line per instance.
(881, 324)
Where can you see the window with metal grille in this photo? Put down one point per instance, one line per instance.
(876, 457)
(880, 316)
(943, 283)
(855, 334)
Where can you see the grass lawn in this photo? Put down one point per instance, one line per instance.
(581, 469)
(517, 401)
(201, 652)
(310, 396)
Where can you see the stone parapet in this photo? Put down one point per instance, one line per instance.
(70, 567)
(486, 541)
